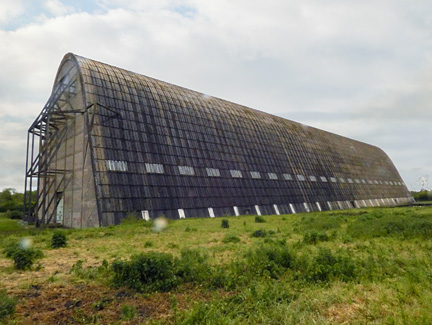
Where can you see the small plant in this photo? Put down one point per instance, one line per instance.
(259, 233)
(128, 312)
(7, 305)
(147, 272)
(271, 260)
(58, 239)
(148, 243)
(225, 223)
(192, 266)
(327, 266)
(14, 214)
(229, 238)
(315, 237)
(23, 255)
(260, 219)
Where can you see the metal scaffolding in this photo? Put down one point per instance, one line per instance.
(44, 138)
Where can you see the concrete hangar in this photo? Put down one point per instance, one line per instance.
(110, 142)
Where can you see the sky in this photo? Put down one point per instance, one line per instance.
(361, 69)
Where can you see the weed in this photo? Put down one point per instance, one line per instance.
(58, 239)
(172, 245)
(148, 243)
(7, 305)
(192, 266)
(229, 238)
(147, 272)
(327, 266)
(128, 312)
(269, 260)
(259, 233)
(225, 223)
(315, 237)
(23, 255)
(260, 219)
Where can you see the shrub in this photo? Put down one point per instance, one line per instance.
(259, 233)
(225, 223)
(260, 219)
(23, 255)
(192, 266)
(58, 239)
(128, 312)
(14, 214)
(327, 266)
(231, 239)
(315, 237)
(271, 260)
(147, 272)
(148, 243)
(7, 305)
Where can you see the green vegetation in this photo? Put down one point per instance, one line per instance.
(225, 223)
(351, 266)
(22, 254)
(7, 305)
(58, 239)
(422, 196)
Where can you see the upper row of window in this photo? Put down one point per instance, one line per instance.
(116, 165)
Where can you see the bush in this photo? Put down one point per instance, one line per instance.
(231, 239)
(225, 223)
(7, 305)
(147, 272)
(23, 255)
(259, 233)
(260, 219)
(192, 266)
(326, 266)
(14, 214)
(58, 240)
(271, 260)
(128, 312)
(315, 237)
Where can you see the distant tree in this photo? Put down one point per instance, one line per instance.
(422, 195)
(11, 200)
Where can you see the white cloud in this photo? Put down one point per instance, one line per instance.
(57, 8)
(9, 9)
(359, 69)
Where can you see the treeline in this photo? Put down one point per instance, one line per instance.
(424, 195)
(12, 203)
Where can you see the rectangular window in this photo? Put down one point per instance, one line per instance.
(333, 179)
(236, 173)
(357, 181)
(323, 179)
(341, 180)
(287, 177)
(255, 174)
(116, 165)
(301, 178)
(272, 176)
(154, 168)
(213, 172)
(186, 170)
(312, 178)
(350, 180)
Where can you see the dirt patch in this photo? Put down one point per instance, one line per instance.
(85, 304)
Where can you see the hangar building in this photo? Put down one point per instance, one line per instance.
(110, 142)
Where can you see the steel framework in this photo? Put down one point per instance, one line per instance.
(44, 139)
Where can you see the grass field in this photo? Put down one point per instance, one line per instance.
(338, 267)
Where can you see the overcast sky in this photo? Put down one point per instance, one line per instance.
(361, 69)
